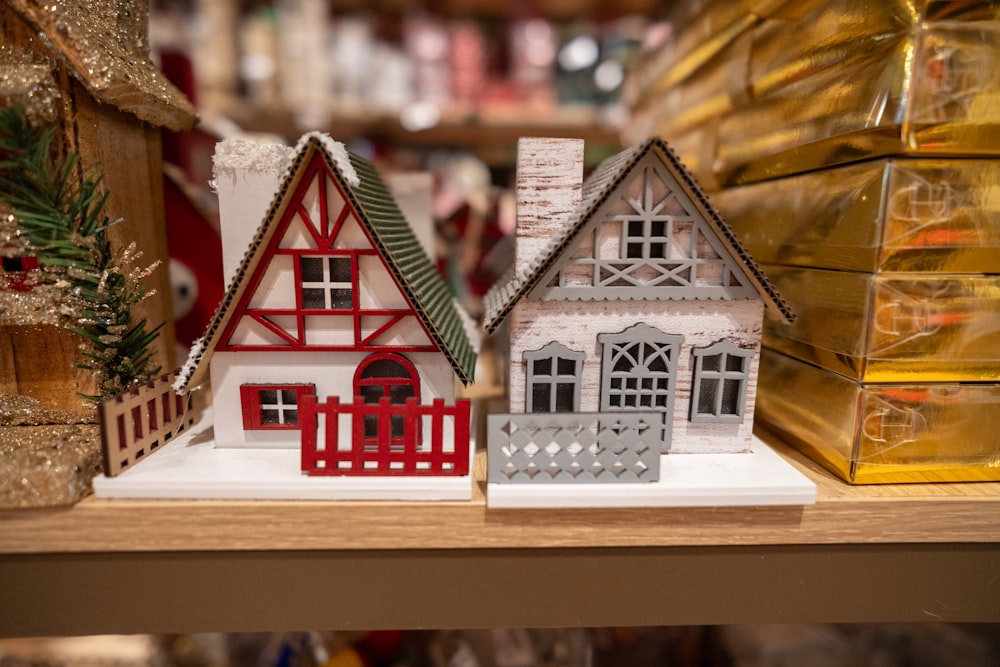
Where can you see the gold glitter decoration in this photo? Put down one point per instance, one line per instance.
(29, 83)
(104, 44)
(45, 466)
(19, 410)
(44, 304)
(47, 457)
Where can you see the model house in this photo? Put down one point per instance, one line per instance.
(88, 75)
(634, 316)
(336, 334)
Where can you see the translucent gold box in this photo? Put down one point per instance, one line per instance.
(896, 215)
(932, 90)
(758, 48)
(936, 92)
(890, 327)
(700, 33)
(870, 433)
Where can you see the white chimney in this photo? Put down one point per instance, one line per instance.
(549, 179)
(247, 174)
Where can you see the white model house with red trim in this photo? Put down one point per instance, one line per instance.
(635, 319)
(336, 334)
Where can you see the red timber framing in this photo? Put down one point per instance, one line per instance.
(322, 455)
(322, 233)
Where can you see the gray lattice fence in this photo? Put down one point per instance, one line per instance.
(566, 448)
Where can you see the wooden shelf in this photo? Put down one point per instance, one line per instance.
(885, 553)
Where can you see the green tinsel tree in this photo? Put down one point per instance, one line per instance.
(56, 213)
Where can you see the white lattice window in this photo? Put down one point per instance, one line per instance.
(721, 376)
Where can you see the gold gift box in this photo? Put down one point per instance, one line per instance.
(780, 43)
(933, 90)
(936, 92)
(700, 33)
(877, 433)
(895, 215)
(890, 327)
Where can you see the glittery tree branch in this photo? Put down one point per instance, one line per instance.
(55, 212)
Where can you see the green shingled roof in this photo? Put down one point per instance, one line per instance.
(413, 269)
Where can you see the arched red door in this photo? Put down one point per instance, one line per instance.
(391, 376)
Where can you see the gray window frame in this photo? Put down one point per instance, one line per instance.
(722, 349)
(554, 352)
(614, 345)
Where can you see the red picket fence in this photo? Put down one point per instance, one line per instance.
(135, 423)
(407, 454)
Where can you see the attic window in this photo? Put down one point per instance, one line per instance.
(272, 407)
(721, 376)
(326, 282)
(553, 379)
(646, 239)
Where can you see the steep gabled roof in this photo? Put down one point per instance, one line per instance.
(602, 184)
(391, 235)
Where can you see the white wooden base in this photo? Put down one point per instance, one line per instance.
(686, 480)
(192, 467)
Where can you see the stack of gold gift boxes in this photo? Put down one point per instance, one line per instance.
(855, 148)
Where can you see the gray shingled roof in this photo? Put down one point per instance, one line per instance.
(602, 183)
(392, 235)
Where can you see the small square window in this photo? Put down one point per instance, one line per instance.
(312, 269)
(340, 269)
(272, 407)
(340, 297)
(567, 366)
(326, 282)
(313, 298)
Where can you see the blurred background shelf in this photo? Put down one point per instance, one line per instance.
(492, 139)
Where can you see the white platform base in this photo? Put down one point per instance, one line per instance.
(686, 480)
(191, 467)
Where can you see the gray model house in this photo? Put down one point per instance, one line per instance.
(634, 316)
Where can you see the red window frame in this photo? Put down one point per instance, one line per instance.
(19, 279)
(253, 408)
